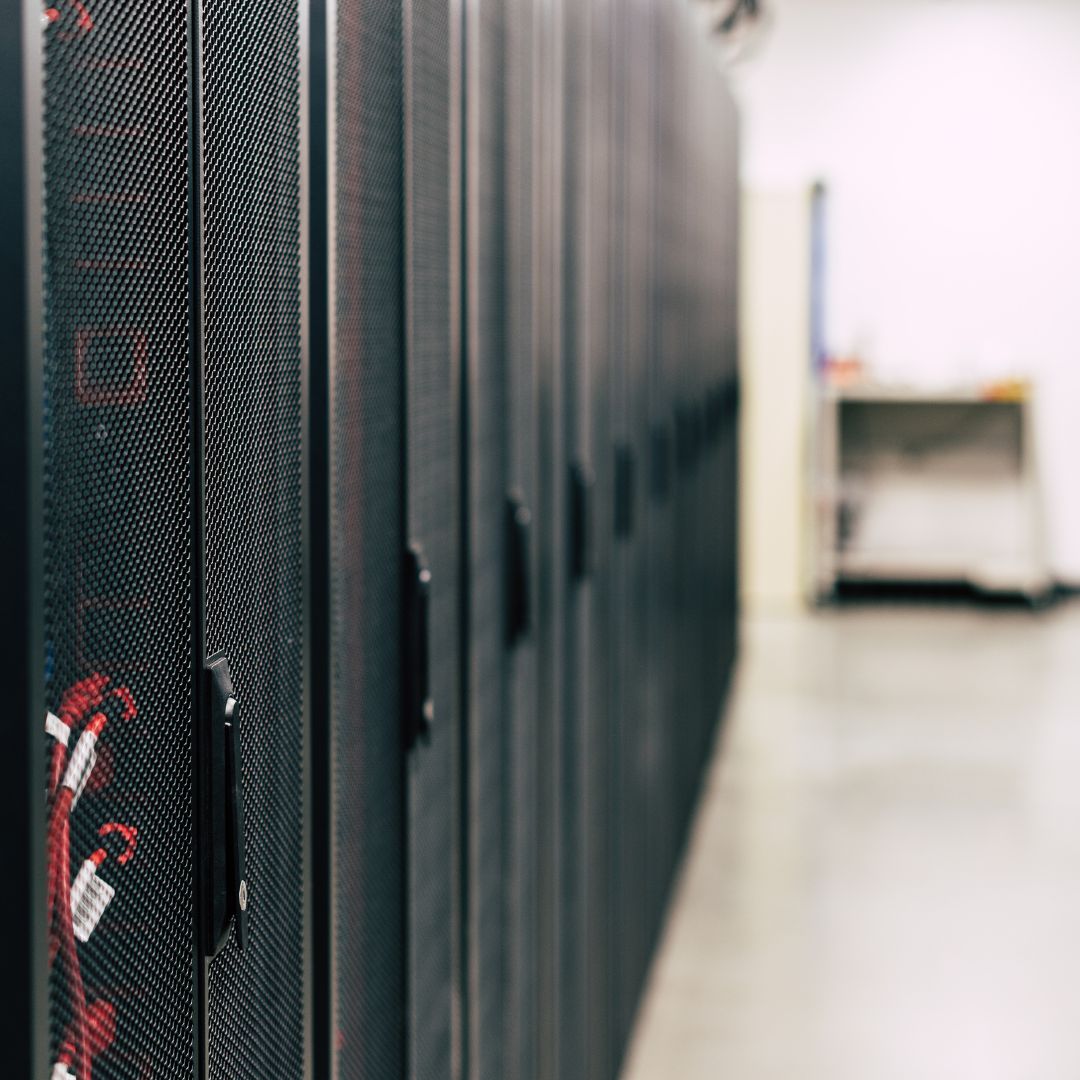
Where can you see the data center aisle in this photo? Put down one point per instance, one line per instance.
(884, 882)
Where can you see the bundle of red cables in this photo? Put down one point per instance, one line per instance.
(90, 1030)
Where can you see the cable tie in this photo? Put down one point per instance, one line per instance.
(56, 727)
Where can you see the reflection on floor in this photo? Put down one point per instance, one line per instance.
(884, 882)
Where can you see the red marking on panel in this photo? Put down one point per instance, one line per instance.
(91, 393)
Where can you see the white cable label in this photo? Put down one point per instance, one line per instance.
(56, 727)
(87, 911)
(81, 765)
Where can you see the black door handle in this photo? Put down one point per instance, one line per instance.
(224, 869)
(518, 597)
(417, 703)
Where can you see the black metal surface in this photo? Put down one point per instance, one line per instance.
(600, 356)
(549, 452)
(510, 170)
(23, 1027)
(484, 900)
(580, 559)
(255, 574)
(367, 544)
(640, 315)
(322, 912)
(664, 722)
(118, 497)
(623, 809)
(494, 866)
(435, 972)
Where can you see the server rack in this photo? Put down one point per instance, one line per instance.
(360, 568)
(122, 442)
(254, 355)
(515, 176)
(574, 570)
(639, 316)
(598, 722)
(436, 965)
(174, 577)
(550, 524)
(658, 613)
(497, 858)
(389, 335)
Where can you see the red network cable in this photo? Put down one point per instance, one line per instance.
(74, 706)
(100, 1032)
(84, 1038)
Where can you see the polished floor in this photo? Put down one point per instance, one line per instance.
(884, 880)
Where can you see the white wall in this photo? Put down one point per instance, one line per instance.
(948, 133)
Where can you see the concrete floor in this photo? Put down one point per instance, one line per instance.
(884, 881)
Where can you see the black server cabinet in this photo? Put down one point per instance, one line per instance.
(121, 431)
(549, 471)
(725, 400)
(172, 430)
(436, 964)
(389, 390)
(664, 611)
(622, 822)
(254, 359)
(496, 589)
(599, 272)
(575, 567)
(658, 615)
(702, 361)
(502, 493)
(639, 320)
(518, 370)
(681, 269)
(358, 453)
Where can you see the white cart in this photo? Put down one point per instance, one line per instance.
(930, 488)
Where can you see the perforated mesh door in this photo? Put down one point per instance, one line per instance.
(548, 466)
(517, 423)
(366, 478)
(493, 994)
(669, 335)
(254, 508)
(432, 786)
(492, 997)
(572, 1063)
(637, 766)
(725, 244)
(600, 269)
(621, 824)
(118, 524)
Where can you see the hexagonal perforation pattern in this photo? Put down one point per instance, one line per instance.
(255, 580)
(118, 525)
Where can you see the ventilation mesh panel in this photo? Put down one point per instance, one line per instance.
(118, 498)
(251, 219)
(367, 543)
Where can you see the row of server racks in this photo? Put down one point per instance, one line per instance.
(369, 428)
